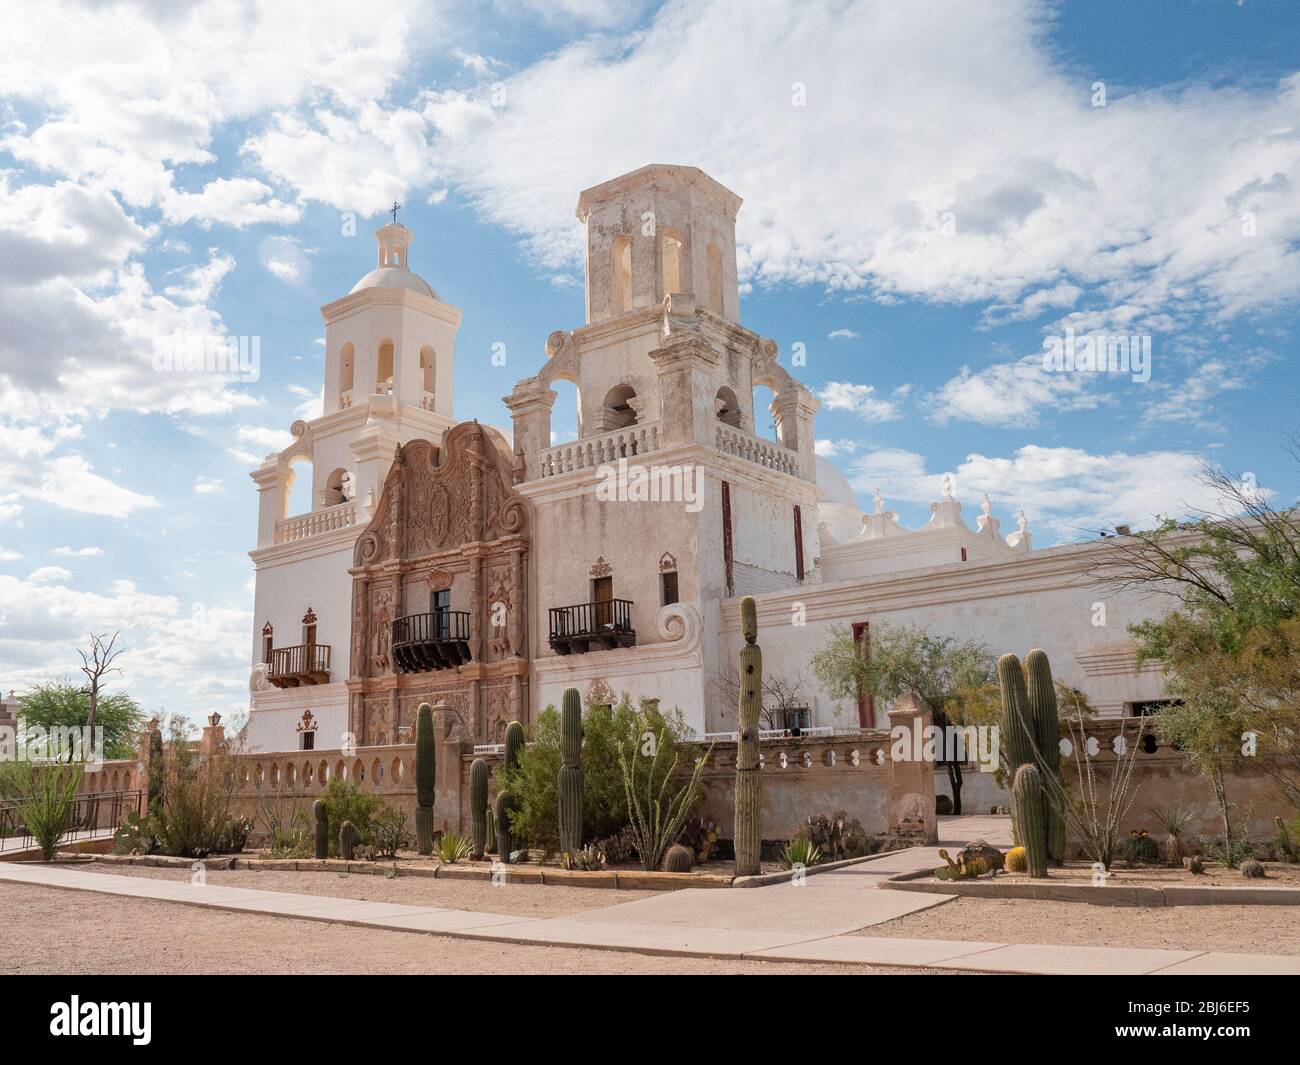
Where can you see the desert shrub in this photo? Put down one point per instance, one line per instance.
(700, 834)
(1230, 853)
(285, 815)
(605, 730)
(452, 847)
(620, 848)
(839, 836)
(800, 851)
(233, 836)
(1139, 848)
(386, 826)
(661, 780)
(344, 801)
(44, 798)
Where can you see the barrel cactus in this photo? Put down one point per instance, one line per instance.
(748, 837)
(348, 839)
(425, 774)
(1027, 793)
(322, 828)
(570, 775)
(678, 859)
(1252, 870)
(478, 806)
(1016, 862)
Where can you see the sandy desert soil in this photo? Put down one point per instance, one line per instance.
(53, 931)
(1241, 929)
(518, 900)
(1276, 875)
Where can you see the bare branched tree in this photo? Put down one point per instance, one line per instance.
(780, 692)
(97, 663)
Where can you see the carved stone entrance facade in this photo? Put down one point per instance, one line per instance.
(439, 594)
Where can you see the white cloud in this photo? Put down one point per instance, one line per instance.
(1070, 492)
(860, 399)
(208, 485)
(1010, 394)
(49, 575)
(842, 334)
(829, 448)
(235, 202)
(79, 552)
(9, 556)
(203, 279)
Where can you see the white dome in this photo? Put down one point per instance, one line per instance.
(395, 277)
(834, 485)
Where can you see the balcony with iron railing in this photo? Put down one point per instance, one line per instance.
(598, 450)
(595, 626)
(305, 663)
(437, 640)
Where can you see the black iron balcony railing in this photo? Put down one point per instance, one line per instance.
(438, 640)
(592, 626)
(307, 663)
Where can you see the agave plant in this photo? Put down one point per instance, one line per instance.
(452, 847)
(800, 851)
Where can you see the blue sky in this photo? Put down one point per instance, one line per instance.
(954, 187)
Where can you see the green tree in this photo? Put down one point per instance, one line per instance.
(64, 704)
(956, 680)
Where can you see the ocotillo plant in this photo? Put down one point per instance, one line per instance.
(425, 770)
(1027, 793)
(570, 775)
(478, 805)
(1046, 720)
(506, 803)
(748, 837)
(322, 828)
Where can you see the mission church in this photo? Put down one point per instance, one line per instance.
(487, 568)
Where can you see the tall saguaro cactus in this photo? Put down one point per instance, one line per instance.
(1027, 794)
(570, 776)
(1046, 720)
(322, 828)
(155, 771)
(425, 778)
(506, 802)
(478, 805)
(748, 837)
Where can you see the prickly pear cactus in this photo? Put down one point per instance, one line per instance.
(678, 859)
(1027, 793)
(322, 829)
(478, 805)
(747, 833)
(425, 770)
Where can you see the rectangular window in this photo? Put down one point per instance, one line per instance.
(309, 634)
(798, 543)
(1151, 706)
(308, 741)
(266, 649)
(440, 608)
(866, 699)
(669, 582)
(726, 534)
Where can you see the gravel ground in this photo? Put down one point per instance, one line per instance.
(66, 932)
(1240, 929)
(1275, 875)
(479, 896)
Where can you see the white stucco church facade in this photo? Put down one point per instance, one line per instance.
(491, 569)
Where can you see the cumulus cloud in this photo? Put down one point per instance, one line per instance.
(79, 552)
(861, 400)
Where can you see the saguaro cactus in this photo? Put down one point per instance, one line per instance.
(425, 773)
(1027, 792)
(748, 837)
(347, 840)
(490, 846)
(478, 805)
(570, 776)
(322, 829)
(156, 771)
(507, 803)
(1046, 720)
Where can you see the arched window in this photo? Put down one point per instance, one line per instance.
(671, 251)
(714, 258)
(428, 375)
(338, 488)
(384, 367)
(347, 371)
(618, 410)
(298, 486)
(728, 407)
(268, 641)
(621, 280)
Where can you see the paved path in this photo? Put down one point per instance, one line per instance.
(25, 843)
(765, 923)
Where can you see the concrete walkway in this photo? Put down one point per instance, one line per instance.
(765, 923)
